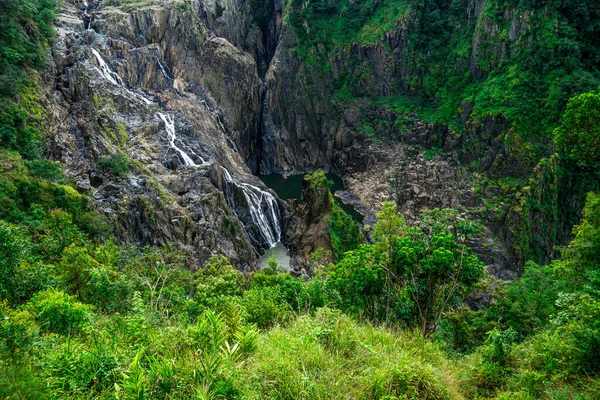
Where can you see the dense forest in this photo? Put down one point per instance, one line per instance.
(395, 310)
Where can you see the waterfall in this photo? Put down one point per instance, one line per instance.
(162, 69)
(262, 205)
(223, 130)
(87, 19)
(169, 121)
(105, 70)
(258, 201)
(214, 113)
(114, 78)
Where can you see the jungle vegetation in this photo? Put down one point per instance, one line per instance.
(393, 318)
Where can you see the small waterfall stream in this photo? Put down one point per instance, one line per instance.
(87, 19)
(114, 78)
(162, 69)
(169, 121)
(218, 119)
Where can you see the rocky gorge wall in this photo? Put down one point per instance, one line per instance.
(244, 99)
(147, 106)
(386, 111)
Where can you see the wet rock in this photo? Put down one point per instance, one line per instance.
(307, 225)
(102, 107)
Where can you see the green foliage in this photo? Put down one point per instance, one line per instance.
(436, 273)
(408, 275)
(58, 312)
(360, 279)
(47, 170)
(134, 384)
(265, 307)
(536, 209)
(26, 28)
(13, 252)
(456, 57)
(318, 353)
(529, 303)
(390, 223)
(579, 266)
(25, 31)
(492, 367)
(318, 180)
(344, 231)
(218, 283)
(551, 318)
(157, 332)
(327, 24)
(273, 266)
(579, 133)
(160, 330)
(116, 165)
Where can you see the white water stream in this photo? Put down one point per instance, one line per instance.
(257, 199)
(169, 120)
(162, 69)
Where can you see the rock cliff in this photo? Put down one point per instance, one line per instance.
(186, 100)
(148, 106)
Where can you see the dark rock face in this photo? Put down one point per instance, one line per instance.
(253, 25)
(157, 88)
(241, 100)
(307, 225)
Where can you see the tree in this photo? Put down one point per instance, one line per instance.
(217, 283)
(390, 226)
(360, 279)
(75, 269)
(579, 133)
(318, 180)
(409, 275)
(13, 250)
(154, 271)
(433, 274)
(58, 312)
(344, 231)
(580, 266)
(390, 223)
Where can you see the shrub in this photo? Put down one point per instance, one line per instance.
(318, 180)
(58, 312)
(217, 283)
(265, 307)
(344, 231)
(117, 165)
(328, 355)
(579, 133)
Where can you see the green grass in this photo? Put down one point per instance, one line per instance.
(330, 356)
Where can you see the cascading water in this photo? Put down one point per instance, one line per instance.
(162, 69)
(114, 78)
(258, 201)
(269, 224)
(87, 20)
(105, 71)
(262, 205)
(223, 130)
(169, 121)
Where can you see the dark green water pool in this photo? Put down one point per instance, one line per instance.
(290, 188)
